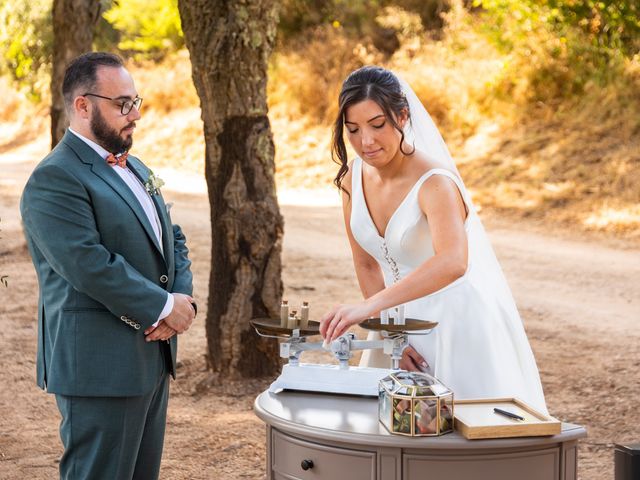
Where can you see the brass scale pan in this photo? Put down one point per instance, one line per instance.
(271, 327)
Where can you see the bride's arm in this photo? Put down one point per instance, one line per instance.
(441, 202)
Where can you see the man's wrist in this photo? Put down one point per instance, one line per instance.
(168, 307)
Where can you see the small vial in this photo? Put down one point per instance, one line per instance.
(284, 313)
(292, 321)
(400, 320)
(304, 315)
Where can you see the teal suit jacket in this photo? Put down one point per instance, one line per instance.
(103, 278)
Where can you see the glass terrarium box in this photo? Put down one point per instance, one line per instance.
(415, 404)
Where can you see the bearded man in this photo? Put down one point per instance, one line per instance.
(114, 277)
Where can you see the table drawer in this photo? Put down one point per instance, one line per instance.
(531, 465)
(329, 463)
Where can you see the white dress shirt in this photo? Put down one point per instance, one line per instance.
(145, 201)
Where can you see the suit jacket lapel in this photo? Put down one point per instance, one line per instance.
(105, 172)
(161, 209)
(167, 231)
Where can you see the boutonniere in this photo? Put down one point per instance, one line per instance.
(153, 183)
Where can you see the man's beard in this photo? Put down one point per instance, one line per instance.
(108, 137)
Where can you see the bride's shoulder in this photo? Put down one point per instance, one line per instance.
(424, 163)
(345, 184)
(349, 174)
(425, 167)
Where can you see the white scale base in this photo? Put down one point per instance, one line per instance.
(330, 379)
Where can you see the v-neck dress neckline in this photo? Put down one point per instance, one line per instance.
(409, 193)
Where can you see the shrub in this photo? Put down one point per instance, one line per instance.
(148, 28)
(558, 47)
(26, 44)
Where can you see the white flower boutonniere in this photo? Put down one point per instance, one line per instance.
(153, 183)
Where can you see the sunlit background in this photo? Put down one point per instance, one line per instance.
(539, 100)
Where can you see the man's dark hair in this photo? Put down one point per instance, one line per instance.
(81, 74)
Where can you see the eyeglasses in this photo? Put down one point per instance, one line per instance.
(125, 107)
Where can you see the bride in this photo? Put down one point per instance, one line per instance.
(418, 242)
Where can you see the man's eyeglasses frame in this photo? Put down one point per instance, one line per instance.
(125, 107)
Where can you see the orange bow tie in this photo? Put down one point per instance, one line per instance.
(120, 159)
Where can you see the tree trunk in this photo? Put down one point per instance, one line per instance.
(230, 42)
(73, 26)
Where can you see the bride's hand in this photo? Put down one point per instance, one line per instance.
(412, 361)
(340, 318)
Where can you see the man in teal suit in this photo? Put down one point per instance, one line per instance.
(115, 281)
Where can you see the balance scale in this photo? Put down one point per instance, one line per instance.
(341, 378)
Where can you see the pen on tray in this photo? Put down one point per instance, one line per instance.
(508, 414)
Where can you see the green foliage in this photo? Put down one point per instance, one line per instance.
(606, 24)
(148, 28)
(357, 17)
(430, 11)
(296, 16)
(26, 43)
(559, 47)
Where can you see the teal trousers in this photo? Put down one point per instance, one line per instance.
(113, 438)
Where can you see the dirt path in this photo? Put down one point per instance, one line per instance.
(579, 298)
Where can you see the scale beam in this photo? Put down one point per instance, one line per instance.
(340, 378)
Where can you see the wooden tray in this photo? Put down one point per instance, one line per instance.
(411, 325)
(271, 327)
(476, 419)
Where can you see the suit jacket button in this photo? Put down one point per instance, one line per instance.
(164, 279)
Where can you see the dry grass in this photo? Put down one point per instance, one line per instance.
(569, 163)
(579, 167)
(20, 121)
(568, 177)
(171, 131)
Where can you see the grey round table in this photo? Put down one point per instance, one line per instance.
(324, 436)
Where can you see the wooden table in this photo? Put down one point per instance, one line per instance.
(335, 437)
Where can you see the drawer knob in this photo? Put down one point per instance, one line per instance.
(307, 464)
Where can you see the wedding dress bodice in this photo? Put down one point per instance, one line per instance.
(406, 243)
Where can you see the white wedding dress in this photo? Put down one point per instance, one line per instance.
(479, 348)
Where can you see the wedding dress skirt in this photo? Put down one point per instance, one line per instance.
(479, 348)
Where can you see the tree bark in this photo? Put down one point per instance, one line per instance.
(74, 23)
(230, 42)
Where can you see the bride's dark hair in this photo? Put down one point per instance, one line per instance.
(366, 83)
